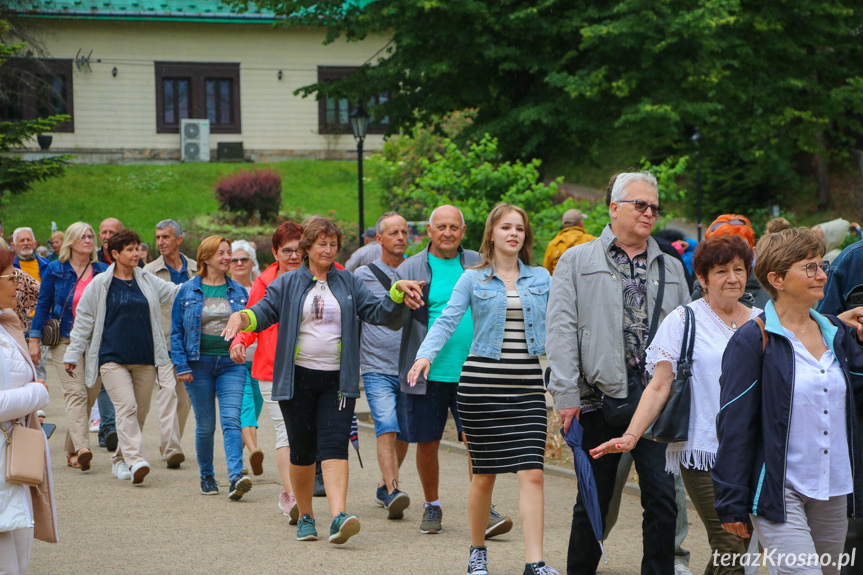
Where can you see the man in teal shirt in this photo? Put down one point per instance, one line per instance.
(428, 403)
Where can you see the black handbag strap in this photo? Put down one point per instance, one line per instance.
(382, 277)
(685, 359)
(72, 291)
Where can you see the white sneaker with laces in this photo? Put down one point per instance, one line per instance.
(121, 471)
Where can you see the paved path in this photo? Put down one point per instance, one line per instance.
(166, 526)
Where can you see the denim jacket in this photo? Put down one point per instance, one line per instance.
(58, 282)
(487, 301)
(186, 320)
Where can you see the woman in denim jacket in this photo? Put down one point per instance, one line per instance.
(202, 359)
(501, 396)
(63, 284)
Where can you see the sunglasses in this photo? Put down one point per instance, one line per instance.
(288, 252)
(734, 222)
(244, 260)
(14, 277)
(812, 268)
(641, 206)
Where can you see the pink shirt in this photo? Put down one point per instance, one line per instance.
(79, 290)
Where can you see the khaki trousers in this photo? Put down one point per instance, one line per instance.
(130, 388)
(15, 548)
(173, 405)
(78, 399)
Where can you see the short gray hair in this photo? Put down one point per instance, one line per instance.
(379, 226)
(18, 231)
(246, 247)
(625, 178)
(173, 224)
(431, 217)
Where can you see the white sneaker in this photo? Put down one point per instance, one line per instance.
(139, 471)
(121, 471)
(94, 426)
(681, 568)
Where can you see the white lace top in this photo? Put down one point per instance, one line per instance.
(711, 338)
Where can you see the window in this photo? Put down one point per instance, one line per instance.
(36, 88)
(198, 90)
(334, 115)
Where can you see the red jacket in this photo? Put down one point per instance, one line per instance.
(262, 363)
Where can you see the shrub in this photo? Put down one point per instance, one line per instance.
(249, 193)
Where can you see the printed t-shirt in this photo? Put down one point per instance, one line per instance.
(448, 363)
(319, 345)
(214, 319)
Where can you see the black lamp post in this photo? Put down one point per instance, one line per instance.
(695, 137)
(359, 125)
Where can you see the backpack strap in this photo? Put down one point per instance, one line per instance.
(382, 277)
(760, 323)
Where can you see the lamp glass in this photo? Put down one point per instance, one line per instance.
(359, 122)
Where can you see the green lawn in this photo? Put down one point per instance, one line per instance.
(141, 195)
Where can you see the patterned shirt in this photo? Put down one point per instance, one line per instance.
(636, 325)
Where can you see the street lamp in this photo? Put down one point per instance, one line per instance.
(359, 125)
(695, 137)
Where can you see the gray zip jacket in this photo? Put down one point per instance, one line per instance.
(86, 336)
(584, 323)
(415, 323)
(283, 304)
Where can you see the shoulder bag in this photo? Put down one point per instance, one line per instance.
(51, 331)
(25, 454)
(672, 425)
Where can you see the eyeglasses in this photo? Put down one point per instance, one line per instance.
(641, 206)
(288, 252)
(14, 277)
(812, 268)
(244, 260)
(734, 222)
(87, 237)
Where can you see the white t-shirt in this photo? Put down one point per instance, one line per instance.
(319, 346)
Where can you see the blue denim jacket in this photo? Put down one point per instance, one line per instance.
(487, 301)
(186, 320)
(58, 281)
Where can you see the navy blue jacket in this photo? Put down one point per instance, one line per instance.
(845, 277)
(58, 281)
(753, 422)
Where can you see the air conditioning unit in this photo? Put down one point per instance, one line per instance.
(195, 140)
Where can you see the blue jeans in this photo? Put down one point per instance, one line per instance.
(387, 403)
(106, 413)
(212, 377)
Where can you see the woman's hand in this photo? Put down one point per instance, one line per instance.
(853, 318)
(184, 377)
(737, 528)
(620, 444)
(70, 368)
(238, 353)
(420, 366)
(413, 291)
(35, 350)
(236, 323)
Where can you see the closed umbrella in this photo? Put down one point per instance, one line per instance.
(586, 481)
(355, 438)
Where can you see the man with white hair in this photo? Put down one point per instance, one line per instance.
(606, 301)
(172, 400)
(26, 259)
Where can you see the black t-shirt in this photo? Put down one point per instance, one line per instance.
(127, 337)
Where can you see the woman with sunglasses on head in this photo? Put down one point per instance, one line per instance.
(243, 263)
(789, 452)
(62, 286)
(261, 348)
(201, 356)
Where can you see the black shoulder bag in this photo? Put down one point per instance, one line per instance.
(619, 411)
(672, 425)
(51, 330)
(382, 277)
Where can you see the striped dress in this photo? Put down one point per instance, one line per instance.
(501, 403)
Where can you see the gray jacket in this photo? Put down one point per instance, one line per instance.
(415, 323)
(283, 304)
(584, 323)
(86, 333)
(158, 268)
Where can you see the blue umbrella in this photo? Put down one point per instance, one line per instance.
(586, 481)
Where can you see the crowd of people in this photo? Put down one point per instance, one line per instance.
(770, 457)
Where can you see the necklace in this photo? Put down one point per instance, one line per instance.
(733, 321)
(505, 277)
(322, 285)
(127, 282)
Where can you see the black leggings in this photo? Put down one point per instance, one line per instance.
(317, 429)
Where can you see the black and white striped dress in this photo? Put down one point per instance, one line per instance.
(501, 403)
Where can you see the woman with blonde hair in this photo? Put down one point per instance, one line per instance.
(501, 395)
(62, 286)
(202, 358)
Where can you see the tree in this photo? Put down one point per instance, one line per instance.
(769, 83)
(17, 174)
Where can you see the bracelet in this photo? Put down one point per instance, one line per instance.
(632, 434)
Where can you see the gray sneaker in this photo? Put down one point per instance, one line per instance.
(497, 524)
(477, 564)
(431, 523)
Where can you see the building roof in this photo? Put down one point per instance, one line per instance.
(153, 10)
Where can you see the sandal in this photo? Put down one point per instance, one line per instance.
(72, 460)
(84, 458)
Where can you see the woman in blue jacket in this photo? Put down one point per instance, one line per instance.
(202, 359)
(501, 395)
(63, 284)
(789, 455)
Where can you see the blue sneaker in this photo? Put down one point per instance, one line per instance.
(343, 527)
(306, 529)
(209, 485)
(240, 485)
(396, 503)
(381, 495)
